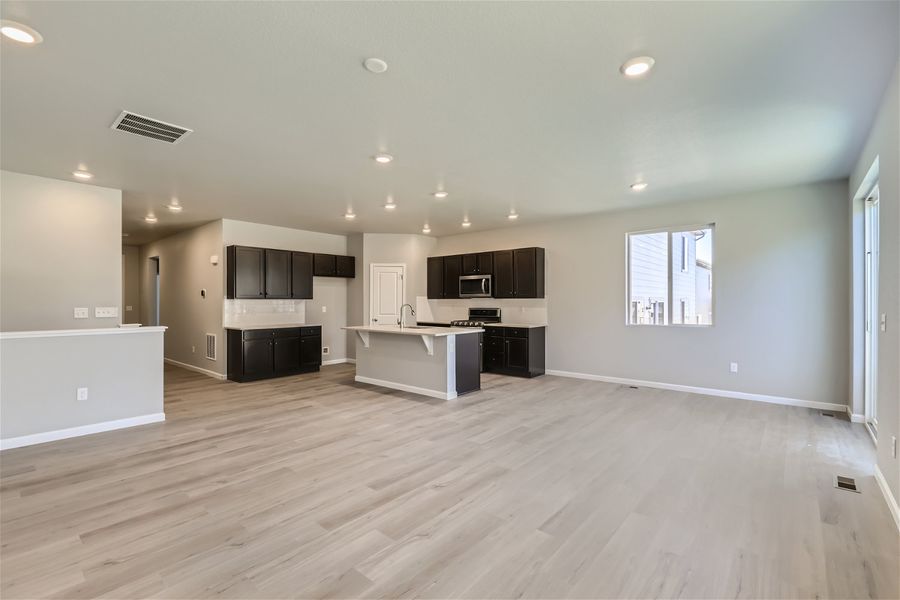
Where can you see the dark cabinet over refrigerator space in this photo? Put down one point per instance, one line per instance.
(254, 273)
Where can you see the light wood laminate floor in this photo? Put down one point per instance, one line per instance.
(314, 486)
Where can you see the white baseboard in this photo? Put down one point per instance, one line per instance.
(338, 361)
(207, 372)
(705, 391)
(855, 417)
(406, 388)
(888, 496)
(71, 432)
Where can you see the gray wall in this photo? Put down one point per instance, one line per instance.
(61, 248)
(884, 144)
(355, 291)
(780, 282)
(185, 269)
(328, 292)
(131, 284)
(39, 378)
(411, 250)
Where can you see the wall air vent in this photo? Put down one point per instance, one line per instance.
(150, 128)
(211, 346)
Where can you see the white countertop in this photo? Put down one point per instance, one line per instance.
(409, 330)
(270, 326)
(516, 325)
(12, 335)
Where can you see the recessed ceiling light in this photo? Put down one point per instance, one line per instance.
(426, 229)
(637, 66)
(389, 205)
(375, 65)
(441, 194)
(466, 223)
(640, 186)
(383, 158)
(82, 175)
(20, 33)
(151, 218)
(174, 205)
(349, 215)
(513, 215)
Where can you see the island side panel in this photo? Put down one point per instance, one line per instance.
(401, 362)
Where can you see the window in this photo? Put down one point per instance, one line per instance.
(666, 264)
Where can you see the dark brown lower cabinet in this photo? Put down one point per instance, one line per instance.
(515, 350)
(263, 353)
(468, 363)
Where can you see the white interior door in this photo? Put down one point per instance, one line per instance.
(387, 292)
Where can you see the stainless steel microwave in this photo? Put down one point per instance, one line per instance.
(475, 286)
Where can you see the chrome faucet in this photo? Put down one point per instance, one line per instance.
(412, 313)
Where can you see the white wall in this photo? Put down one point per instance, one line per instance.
(185, 269)
(387, 248)
(328, 292)
(780, 282)
(61, 248)
(39, 376)
(884, 144)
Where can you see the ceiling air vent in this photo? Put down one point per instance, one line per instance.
(150, 128)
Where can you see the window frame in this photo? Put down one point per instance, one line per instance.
(671, 262)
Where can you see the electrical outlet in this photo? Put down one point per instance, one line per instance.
(883, 322)
(81, 313)
(127, 308)
(106, 312)
(193, 349)
(325, 349)
(81, 394)
(894, 446)
(734, 367)
(324, 309)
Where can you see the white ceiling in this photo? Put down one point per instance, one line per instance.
(507, 105)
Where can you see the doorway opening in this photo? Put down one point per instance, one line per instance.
(153, 313)
(870, 303)
(387, 293)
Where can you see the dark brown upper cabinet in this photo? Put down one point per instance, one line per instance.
(435, 278)
(345, 266)
(325, 265)
(278, 274)
(481, 263)
(452, 271)
(519, 273)
(301, 275)
(246, 272)
(330, 265)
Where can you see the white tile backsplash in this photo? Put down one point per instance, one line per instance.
(532, 312)
(238, 313)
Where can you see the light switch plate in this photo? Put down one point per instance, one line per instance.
(734, 367)
(106, 312)
(81, 313)
(127, 308)
(883, 322)
(81, 394)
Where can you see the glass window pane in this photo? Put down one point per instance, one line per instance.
(692, 279)
(648, 256)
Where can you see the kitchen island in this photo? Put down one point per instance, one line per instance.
(440, 362)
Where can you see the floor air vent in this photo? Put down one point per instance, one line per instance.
(845, 483)
(150, 128)
(825, 413)
(211, 346)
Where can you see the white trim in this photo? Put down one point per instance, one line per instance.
(71, 432)
(13, 335)
(888, 496)
(206, 372)
(337, 361)
(855, 417)
(406, 388)
(704, 391)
